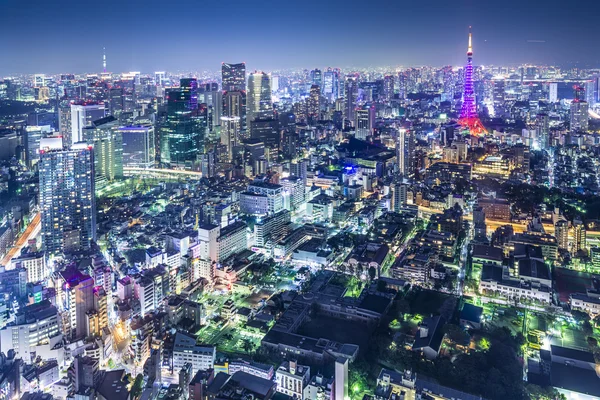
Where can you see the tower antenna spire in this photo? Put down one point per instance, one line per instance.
(470, 49)
(104, 59)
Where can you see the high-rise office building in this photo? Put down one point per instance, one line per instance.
(234, 106)
(350, 98)
(406, 149)
(183, 133)
(267, 131)
(31, 140)
(553, 92)
(365, 121)
(189, 87)
(160, 78)
(388, 87)
(139, 147)
(233, 77)
(316, 77)
(542, 130)
(260, 104)
(589, 91)
(106, 138)
(116, 102)
(579, 117)
(230, 135)
(331, 84)
(67, 200)
(313, 104)
(398, 196)
(82, 116)
(210, 95)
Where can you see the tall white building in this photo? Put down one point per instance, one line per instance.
(579, 116)
(341, 379)
(82, 116)
(230, 134)
(405, 152)
(208, 236)
(553, 92)
(35, 264)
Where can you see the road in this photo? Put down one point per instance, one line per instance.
(32, 230)
(130, 171)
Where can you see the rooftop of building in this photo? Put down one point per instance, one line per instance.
(533, 268)
(435, 333)
(488, 252)
(112, 385)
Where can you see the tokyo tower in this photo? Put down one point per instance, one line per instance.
(468, 113)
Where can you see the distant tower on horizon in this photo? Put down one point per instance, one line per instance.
(104, 59)
(468, 113)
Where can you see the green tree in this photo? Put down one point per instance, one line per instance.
(138, 386)
(456, 334)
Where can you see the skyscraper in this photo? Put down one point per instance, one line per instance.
(388, 87)
(234, 106)
(331, 84)
(542, 130)
(233, 77)
(406, 149)
(553, 92)
(116, 101)
(398, 196)
(234, 93)
(189, 87)
(32, 136)
(579, 117)
(260, 104)
(210, 95)
(589, 91)
(106, 138)
(313, 105)
(350, 97)
(139, 148)
(183, 133)
(230, 134)
(316, 77)
(365, 121)
(67, 200)
(82, 116)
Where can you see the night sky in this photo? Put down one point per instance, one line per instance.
(55, 36)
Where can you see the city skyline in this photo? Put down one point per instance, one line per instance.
(387, 34)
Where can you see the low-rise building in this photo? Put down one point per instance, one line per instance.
(292, 378)
(185, 350)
